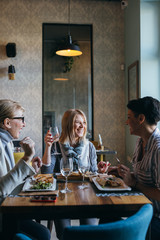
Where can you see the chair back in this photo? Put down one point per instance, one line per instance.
(134, 227)
(21, 236)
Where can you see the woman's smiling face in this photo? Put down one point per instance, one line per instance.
(133, 123)
(79, 126)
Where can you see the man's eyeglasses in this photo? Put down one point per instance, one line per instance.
(19, 118)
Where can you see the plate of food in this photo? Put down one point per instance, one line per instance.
(40, 182)
(110, 183)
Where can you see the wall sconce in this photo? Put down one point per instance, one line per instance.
(11, 52)
(11, 72)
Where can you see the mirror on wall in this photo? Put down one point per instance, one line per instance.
(67, 81)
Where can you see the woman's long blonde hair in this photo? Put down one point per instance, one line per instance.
(68, 120)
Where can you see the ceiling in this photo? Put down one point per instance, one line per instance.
(79, 32)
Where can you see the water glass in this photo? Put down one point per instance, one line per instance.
(55, 134)
(83, 167)
(66, 166)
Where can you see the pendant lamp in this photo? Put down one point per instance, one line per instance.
(69, 49)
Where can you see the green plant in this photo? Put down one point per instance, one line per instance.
(68, 64)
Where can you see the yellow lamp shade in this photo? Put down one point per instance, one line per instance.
(69, 53)
(69, 49)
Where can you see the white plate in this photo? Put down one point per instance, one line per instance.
(29, 184)
(115, 189)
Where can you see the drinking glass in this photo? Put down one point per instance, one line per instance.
(83, 167)
(55, 133)
(66, 166)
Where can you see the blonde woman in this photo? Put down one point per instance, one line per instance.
(11, 175)
(72, 143)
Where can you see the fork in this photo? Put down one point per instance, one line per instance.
(118, 161)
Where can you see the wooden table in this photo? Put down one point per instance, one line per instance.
(77, 204)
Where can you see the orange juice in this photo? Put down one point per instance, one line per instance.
(18, 156)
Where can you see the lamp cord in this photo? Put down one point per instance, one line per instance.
(69, 17)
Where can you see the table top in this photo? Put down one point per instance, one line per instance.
(105, 152)
(79, 203)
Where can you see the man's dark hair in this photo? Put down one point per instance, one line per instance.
(148, 106)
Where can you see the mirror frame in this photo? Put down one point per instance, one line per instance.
(92, 85)
(133, 81)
